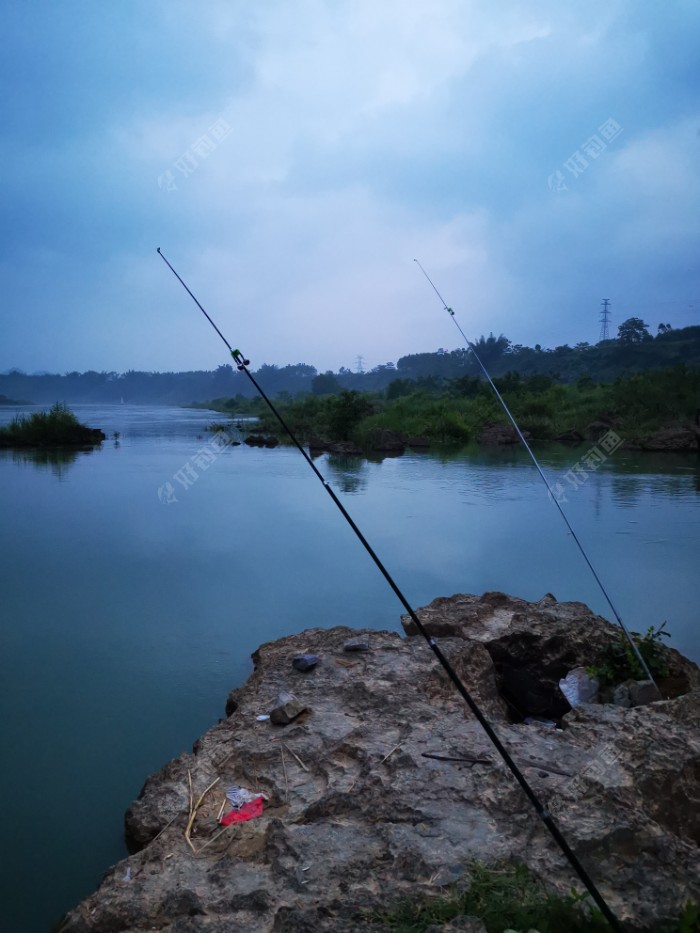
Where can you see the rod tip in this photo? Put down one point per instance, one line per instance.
(158, 249)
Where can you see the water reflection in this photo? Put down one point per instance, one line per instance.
(56, 459)
(653, 474)
(347, 472)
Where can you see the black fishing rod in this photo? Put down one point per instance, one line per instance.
(534, 459)
(242, 364)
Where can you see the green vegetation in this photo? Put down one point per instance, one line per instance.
(690, 919)
(509, 897)
(454, 411)
(55, 428)
(238, 405)
(503, 898)
(620, 663)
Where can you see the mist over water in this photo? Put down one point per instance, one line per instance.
(127, 616)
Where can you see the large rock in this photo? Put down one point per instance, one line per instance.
(572, 438)
(673, 438)
(344, 449)
(419, 442)
(386, 440)
(500, 435)
(358, 816)
(318, 444)
(261, 440)
(597, 429)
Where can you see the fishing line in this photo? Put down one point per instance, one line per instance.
(534, 459)
(544, 814)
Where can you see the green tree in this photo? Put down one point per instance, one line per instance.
(491, 348)
(633, 330)
(345, 412)
(325, 384)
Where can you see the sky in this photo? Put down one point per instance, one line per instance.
(291, 158)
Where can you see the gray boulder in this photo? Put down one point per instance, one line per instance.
(360, 812)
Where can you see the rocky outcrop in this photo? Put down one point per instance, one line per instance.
(500, 435)
(676, 438)
(317, 444)
(383, 785)
(385, 440)
(345, 449)
(79, 436)
(571, 438)
(597, 429)
(261, 440)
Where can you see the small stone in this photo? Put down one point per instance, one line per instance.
(305, 662)
(579, 687)
(356, 644)
(446, 875)
(288, 708)
(621, 696)
(643, 692)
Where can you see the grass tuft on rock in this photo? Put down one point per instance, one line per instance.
(503, 898)
(510, 898)
(57, 427)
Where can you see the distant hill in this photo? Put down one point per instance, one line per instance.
(635, 350)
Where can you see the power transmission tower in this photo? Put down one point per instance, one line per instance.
(605, 320)
(359, 363)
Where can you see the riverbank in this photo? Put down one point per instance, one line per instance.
(655, 411)
(381, 786)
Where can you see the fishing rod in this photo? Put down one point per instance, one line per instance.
(534, 459)
(242, 364)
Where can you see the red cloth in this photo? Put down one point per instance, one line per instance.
(247, 812)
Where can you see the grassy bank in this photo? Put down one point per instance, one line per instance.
(456, 411)
(57, 427)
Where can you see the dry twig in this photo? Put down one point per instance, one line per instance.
(169, 823)
(301, 763)
(216, 836)
(193, 811)
(398, 745)
(284, 768)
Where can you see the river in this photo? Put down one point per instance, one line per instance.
(137, 579)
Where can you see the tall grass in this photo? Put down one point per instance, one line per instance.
(54, 428)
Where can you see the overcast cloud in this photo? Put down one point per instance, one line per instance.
(292, 158)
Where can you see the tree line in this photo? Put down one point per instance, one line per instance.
(634, 349)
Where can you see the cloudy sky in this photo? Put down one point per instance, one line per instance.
(292, 157)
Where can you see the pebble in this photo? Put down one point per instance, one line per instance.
(287, 708)
(643, 692)
(356, 644)
(621, 696)
(305, 662)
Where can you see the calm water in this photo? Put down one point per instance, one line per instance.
(126, 620)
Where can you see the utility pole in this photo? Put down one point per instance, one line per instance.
(359, 363)
(605, 320)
